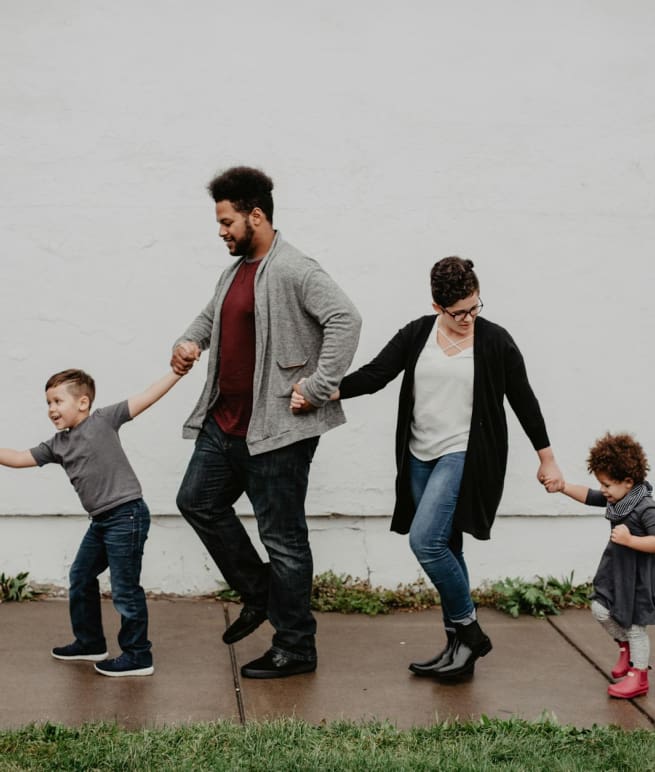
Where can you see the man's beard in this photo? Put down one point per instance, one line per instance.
(243, 247)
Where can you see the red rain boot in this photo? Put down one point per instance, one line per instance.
(623, 662)
(634, 684)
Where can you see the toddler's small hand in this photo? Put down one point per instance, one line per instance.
(553, 485)
(621, 535)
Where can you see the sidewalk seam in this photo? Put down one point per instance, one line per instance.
(572, 643)
(235, 671)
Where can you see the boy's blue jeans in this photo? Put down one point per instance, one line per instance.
(114, 540)
(435, 488)
(220, 470)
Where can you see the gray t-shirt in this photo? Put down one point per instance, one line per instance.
(94, 460)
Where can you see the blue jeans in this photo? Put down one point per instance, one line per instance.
(115, 540)
(435, 488)
(220, 470)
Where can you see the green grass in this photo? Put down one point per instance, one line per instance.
(295, 745)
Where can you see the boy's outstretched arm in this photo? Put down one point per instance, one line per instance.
(140, 402)
(18, 459)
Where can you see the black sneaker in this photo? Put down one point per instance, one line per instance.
(276, 665)
(124, 665)
(247, 622)
(76, 652)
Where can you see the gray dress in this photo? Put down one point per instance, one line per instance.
(625, 579)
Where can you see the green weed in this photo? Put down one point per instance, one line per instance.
(543, 597)
(347, 595)
(15, 588)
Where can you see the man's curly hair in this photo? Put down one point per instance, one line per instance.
(619, 456)
(245, 188)
(452, 279)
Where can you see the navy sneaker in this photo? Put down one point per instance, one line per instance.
(124, 665)
(76, 652)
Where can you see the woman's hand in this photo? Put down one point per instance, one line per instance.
(549, 474)
(299, 403)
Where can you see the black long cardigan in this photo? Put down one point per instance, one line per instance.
(499, 371)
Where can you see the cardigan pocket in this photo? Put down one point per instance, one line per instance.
(288, 372)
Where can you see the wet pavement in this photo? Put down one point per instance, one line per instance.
(557, 667)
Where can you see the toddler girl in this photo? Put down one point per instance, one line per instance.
(624, 585)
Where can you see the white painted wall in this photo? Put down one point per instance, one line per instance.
(518, 134)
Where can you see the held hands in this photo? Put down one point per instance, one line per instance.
(553, 485)
(550, 476)
(185, 355)
(300, 404)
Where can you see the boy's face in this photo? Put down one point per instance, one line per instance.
(65, 409)
(614, 490)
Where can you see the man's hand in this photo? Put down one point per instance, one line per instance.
(299, 404)
(185, 354)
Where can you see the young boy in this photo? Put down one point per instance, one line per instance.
(623, 599)
(88, 447)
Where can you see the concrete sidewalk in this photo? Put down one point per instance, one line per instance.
(559, 666)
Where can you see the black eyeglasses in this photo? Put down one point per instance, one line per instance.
(459, 316)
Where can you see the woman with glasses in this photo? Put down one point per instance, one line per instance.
(451, 442)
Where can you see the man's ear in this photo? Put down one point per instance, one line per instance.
(257, 216)
(84, 403)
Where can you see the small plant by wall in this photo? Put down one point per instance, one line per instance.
(347, 595)
(543, 597)
(15, 588)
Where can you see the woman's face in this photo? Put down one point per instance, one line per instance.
(465, 310)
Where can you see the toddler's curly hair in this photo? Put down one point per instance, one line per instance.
(619, 456)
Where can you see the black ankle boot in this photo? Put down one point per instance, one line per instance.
(470, 643)
(444, 657)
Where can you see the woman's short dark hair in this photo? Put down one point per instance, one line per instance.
(618, 456)
(245, 188)
(452, 279)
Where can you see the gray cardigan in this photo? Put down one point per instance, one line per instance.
(305, 327)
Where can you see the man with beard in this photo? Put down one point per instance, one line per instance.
(275, 319)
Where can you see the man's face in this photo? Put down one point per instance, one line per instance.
(235, 229)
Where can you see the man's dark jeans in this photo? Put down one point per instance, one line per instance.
(114, 539)
(220, 470)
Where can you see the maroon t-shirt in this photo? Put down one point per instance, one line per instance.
(237, 359)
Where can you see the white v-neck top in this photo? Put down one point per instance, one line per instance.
(443, 401)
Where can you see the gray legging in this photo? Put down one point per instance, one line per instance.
(636, 635)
